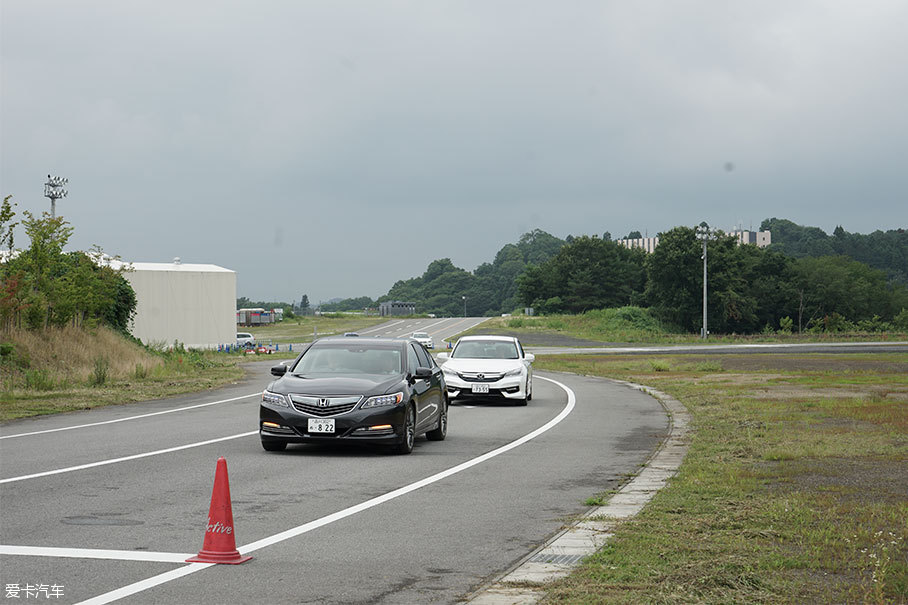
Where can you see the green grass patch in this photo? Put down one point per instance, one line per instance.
(794, 489)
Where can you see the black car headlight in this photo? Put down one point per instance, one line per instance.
(275, 399)
(382, 400)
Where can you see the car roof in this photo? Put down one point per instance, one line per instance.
(487, 338)
(360, 342)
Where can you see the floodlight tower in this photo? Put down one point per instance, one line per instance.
(53, 189)
(704, 234)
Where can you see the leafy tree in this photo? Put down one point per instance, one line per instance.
(634, 235)
(588, 273)
(6, 223)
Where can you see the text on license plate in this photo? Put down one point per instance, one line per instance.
(321, 425)
(480, 388)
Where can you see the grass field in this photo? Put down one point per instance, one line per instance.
(636, 325)
(303, 329)
(794, 490)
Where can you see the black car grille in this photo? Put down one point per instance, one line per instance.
(480, 376)
(324, 406)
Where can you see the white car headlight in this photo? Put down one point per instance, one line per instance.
(382, 400)
(275, 399)
(448, 372)
(514, 372)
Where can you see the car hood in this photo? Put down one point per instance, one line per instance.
(361, 384)
(482, 365)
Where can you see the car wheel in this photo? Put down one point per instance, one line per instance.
(409, 433)
(272, 445)
(438, 434)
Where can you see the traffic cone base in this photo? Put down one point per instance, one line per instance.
(220, 541)
(228, 558)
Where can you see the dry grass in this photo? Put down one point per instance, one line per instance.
(67, 369)
(71, 354)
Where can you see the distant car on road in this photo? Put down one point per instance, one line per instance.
(350, 334)
(366, 390)
(424, 339)
(245, 339)
(489, 367)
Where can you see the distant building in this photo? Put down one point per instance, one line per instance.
(193, 305)
(761, 239)
(396, 307)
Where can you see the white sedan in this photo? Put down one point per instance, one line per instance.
(424, 339)
(489, 367)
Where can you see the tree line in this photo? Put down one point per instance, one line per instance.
(750, 289)
(43, 286)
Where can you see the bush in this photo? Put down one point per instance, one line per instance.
(100, 372)
(38, 380)
(785, 325)
(900, 321)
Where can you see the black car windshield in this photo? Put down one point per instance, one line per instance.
(349, 360)
(485, 349)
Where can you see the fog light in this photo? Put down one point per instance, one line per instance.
(271, 425)
(380, 427)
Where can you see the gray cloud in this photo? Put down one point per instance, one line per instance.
(333, 148)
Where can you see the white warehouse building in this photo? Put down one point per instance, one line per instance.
(192, 304)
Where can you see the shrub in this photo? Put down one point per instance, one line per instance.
(38, 380)
(785, 325)
(99, 372)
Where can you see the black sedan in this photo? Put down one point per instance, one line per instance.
(377, 391)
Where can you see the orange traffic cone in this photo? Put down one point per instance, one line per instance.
(220, 538)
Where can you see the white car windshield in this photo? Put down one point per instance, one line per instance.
(420, 335)
(348, 360)
(485, 349)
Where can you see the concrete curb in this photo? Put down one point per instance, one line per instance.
(563, 553)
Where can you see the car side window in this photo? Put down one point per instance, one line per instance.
(423, 357)
(412, 359)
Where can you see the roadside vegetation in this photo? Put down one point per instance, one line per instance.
(625, 325)
(64, 369)
(794, 489)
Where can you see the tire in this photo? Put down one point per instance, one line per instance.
(409, 434)
(274, 446)
(438, 434)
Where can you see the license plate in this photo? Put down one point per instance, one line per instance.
(480, 388)
(321, 425)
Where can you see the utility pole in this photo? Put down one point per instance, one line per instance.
(464, 305)
(704, 234)
(53, 189)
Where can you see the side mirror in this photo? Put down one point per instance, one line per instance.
(278, 370)
(422, 373)
(529, 357)
(443, 356)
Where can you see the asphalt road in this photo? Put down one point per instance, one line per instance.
(325, 525)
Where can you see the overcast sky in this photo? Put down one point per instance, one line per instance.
(334, 147)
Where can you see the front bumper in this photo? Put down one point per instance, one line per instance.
(351, 426)
(508, 387)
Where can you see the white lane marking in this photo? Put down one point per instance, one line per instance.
(347, 512)
(132, 589)
(80, 467)
(82, 426)
(382, 326)
(96, 553)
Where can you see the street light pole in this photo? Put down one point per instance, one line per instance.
(53, 189)
(704, 234)
(464, 305)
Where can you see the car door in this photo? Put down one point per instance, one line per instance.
(426, 406)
